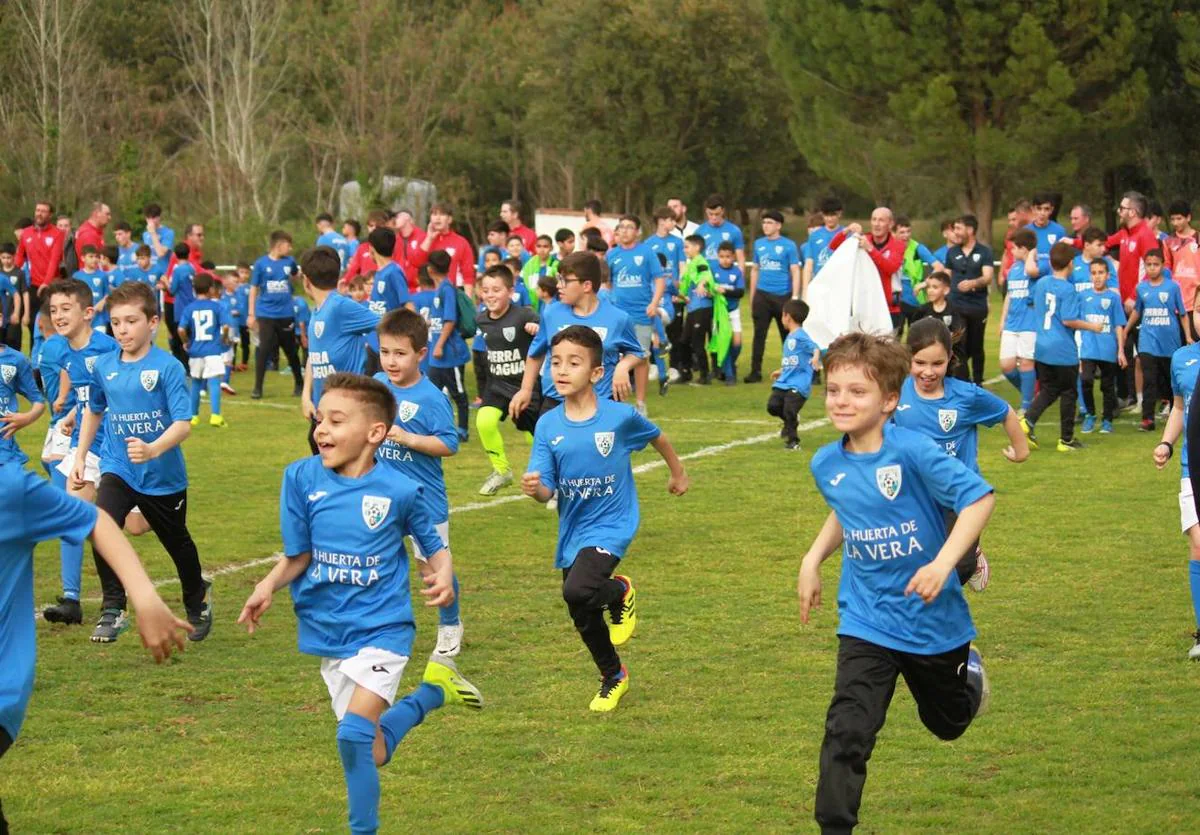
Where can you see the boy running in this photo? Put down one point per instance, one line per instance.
(792, 383)
(204, 329)
(449, 355)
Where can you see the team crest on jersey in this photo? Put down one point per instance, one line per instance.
(149, 379)
(375, 510)
(637, 260)
(89, 363)
(791, 344)
(975, 257)
(724, 236)
(381, 286)
(49, 241)
(888, 479)
(1194, 246)
(318, 329)
(509, 334)
(437, 301)
(1132, 246)
(1162, 297)
(407, 410)
(604, 442)
(779, 250)
(7, 372)
(1051, 238)
(947, 418)
(602, 333)
(1104, 303)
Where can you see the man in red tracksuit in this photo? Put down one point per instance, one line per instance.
(91, 231)
(41, 246)
(408, 240)
(362, 262)
(885, 250)
(441, 235)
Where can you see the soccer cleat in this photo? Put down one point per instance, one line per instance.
(623, 613)
(1194, 652)
(1106, 427)
(201, 619)
(663, 385)
(195, 420)
(1147, 425)
(228, 389)
(449, 640)
(217, 420)
(456, 690)
(256, 395)
(66, 610)
(1027, 428)
(752, 377)
(791, 446)
(975, 671)
(1069, 446)
(1089, 424)
(494, 481)
(297, 390)
(979, 580)
(610, 693)
(110, 626)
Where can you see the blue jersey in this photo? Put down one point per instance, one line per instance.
(480, 263)
(349, 247)
(127, 257)
(939, 254)
(16, 378)
(97, 282)
(1159, 307)
(907, 294)
(390, 290)
(889, 504)
(203, 321)
(9, 287)
(422, 300)
(300, 313)
(135, 273)
(796, 364)
(422, 409)
(51, 358)
(775, 258)
(181, 286)
(818, 247)
(445, 312)
(714, 236)
(695, 301)
(1047, 236)
(31, 511)
(336, 339)
(613, 326)
(166, 238)
(1105, 309)
(1185, 366)
(338, 244)
(79, 364)
(355, 591)
(141, 399)
(731, 278)
(235, 306)
(1021, 316)
(671, 248)
(634, 271)
(951, 419)
(1054, 302)
(588, 463)
(273, 278)
(1081, 274)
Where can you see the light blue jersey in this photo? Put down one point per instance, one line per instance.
(775, 258)
(796, 364)
(1104, 309)
(422, 409)
(203, 321)
(634, 271)
(273, 278)
(79, 364)
(16, 378)
(1185, 366)
(951, 419)
(1021, 316)
(1047, 236)
(1159, 307)
(607, 320)
(336, 339)
(1055, 302)
(714, 236)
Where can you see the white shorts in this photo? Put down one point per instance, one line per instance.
(91, 465)
(735, 320)
(377, 670)
(1019, 344)
(644, 334)
(443, 530)
(57, 445)
(205, 368)
(227, 356)
(1187, 505)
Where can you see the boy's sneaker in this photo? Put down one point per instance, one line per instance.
(731, 381)
(623, 613)
(1194, 652)
(66, 610)
(791, 445)
(1027, 428)
(456, 690)
(1106, 427)
(217, 420)
(664, 383)
(494, 481)
(1164, 411)
(704, 380)
(752, 377)
(256, 394)
(202, 618)
(1069, 446)
(449, 640)
(975, 671)
(110, 626)
(979, 580)
(195, 420)
(228, 389)
(1147, 425)
(610, 693)
(1089, 424)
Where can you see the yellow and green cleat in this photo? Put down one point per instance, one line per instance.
(456, 690)
(1029, 436)
(623, 613)
(610, 693)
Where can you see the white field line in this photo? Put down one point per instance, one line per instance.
(703, 452)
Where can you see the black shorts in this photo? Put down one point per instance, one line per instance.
(501, 398)
(548, 403)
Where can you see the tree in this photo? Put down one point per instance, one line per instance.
(958, 101)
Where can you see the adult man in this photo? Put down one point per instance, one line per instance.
(592, 219)
(41, 247)
(71, 261)
(510, 213)
(774, 278)
(1182, 256)
(971, 269)
(682, 226)
(91, 231)
(441, 235)
(638, 285)
(885, 250)
(1081, 218)
(716, 229)
(409, 238)
(817, 249)
(1048, 232)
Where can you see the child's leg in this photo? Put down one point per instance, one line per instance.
(479, 360)
(167, 517)
(1193, 534)
(214, 395)
(197, 387)
(356, 740)
(866, 681)
(1045, 396)
(1108, 388)
(459, 395)
(1086, 381)
(1028, 381)
(245, 340)
(775, 403)
(487, 424)
(70, 558)
(793, 402)
(1008, 358)
(589, 589)
(947, 694)
(1149, 366)
(1068, 377)
(117, 499)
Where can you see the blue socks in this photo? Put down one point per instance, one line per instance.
(355, 736)
(1194, 581)
(730, 366)
(1028, 384)
(1013, 377)
(214, 395)
(449, 615)
(197, 385)
(70, 560)
(1079, 396)
(228, 373)
(407, 713)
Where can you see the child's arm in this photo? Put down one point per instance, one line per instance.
(929, 579)
(520, 400)
(531, 485)
(15, 421)
(87, 434)
(677, 485)
(1083, 325)
(183, 337)
(1134, 316)
(1121, 361)
(1004, 313)
(437, 573)
(307, 407)
(808, 584)
(424, 444)
(620, 380)
(64, 388)
(816, 359)
(1018, 447)
(284, 572)
(140, 452)
(1165, 448)
(18, 302)
(1187, 332)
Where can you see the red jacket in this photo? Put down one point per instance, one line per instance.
(888, 258)
(43, 249)
(195, 257)
(1134, 244)
(403, 255)
(462, 259)
(88, 234)
(529, 237)
(361, 262)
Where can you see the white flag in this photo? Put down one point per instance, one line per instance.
(846, 296)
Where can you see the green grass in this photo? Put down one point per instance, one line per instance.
(1084, 630)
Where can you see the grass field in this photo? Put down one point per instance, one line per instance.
(1084, 630)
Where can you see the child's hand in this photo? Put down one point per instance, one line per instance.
(519, 403)
(76, 480)
(678, 483)
(139, 451)
(621, 387)
(439, 588)
(531, 328)
(927, 582)
(1011, 454)
(438, 350)
(13, 422)
(776, 374)
(702, 291)
(1121, 361)
(308, 409)
(159, 628)
(530, 483)
(398, 435)
(256, 606)
(808, 587)
(1162, 454)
